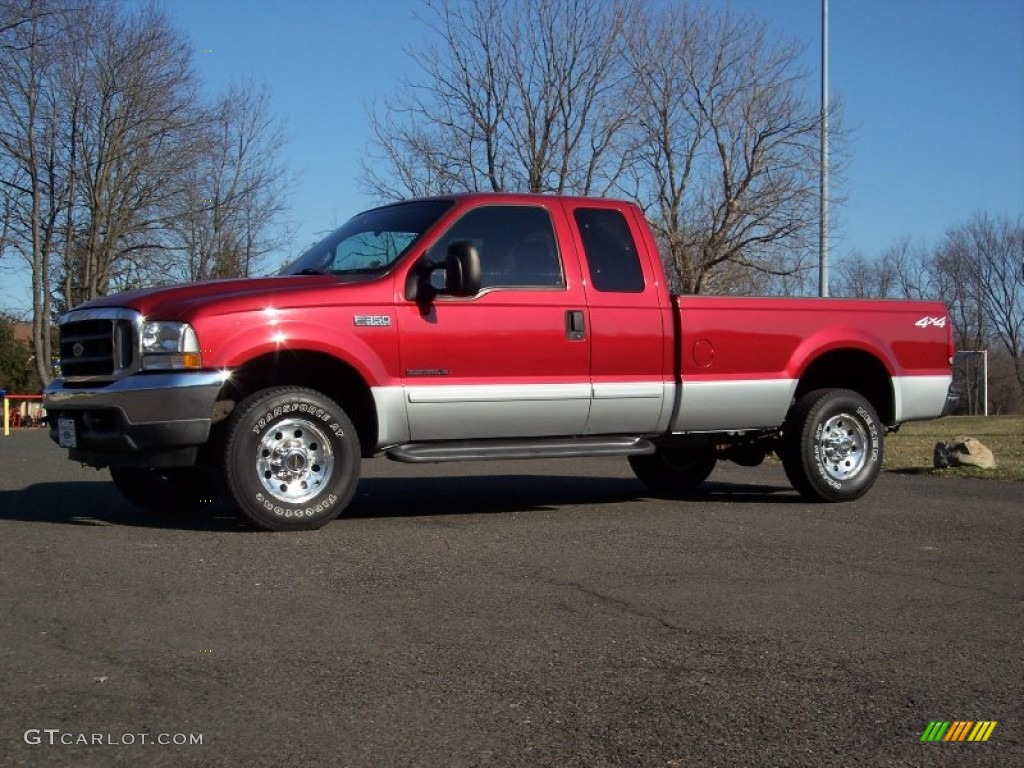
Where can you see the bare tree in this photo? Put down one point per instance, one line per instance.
(102, 138)
(858, 277)
(909, 267)
(135, 142)
(29, 155)
(15, 14)
(567, 107)
(6, 214)
(516, 95)
(445, 134)
(955, 285)
(989, 255)
(697, 114)
(72, 81)
(902, 271)
(729, 161)
(235, 191)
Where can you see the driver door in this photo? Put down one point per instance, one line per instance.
(512, 361)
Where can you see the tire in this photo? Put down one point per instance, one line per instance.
(167, 491)
(291, 459)
(832, 445)
(674, 472)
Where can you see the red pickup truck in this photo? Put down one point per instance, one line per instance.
(481, 327)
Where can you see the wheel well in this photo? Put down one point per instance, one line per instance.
(851, 369)
(316, 370)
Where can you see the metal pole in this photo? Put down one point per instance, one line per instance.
(823, 200)
(984, 372)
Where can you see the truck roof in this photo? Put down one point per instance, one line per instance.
(517, 197)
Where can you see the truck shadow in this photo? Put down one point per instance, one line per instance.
(463, 495)
(99, 504)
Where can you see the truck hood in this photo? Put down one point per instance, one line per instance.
(182, 302)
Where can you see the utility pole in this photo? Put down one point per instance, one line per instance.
(823, 199)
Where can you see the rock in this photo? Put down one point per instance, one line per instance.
(969, 452)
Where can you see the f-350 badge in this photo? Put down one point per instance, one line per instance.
(372, 321)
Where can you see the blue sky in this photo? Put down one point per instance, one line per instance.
(932, 91)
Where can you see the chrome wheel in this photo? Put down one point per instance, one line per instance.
(295, 460)
(832, 445)
(843, 442)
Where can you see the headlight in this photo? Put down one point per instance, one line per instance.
(169, 346)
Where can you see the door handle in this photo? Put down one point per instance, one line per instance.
(575, 325)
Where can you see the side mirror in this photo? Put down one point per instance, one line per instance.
(462, 270)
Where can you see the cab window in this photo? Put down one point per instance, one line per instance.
(516, 244)
(611, 254)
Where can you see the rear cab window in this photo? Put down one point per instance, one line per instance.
(610, 251)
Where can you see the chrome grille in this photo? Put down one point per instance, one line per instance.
(93, 347)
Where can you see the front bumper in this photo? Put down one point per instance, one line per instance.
(146, 420)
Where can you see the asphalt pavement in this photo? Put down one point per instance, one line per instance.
(511, 614)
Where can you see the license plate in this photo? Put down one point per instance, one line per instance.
(66, 433)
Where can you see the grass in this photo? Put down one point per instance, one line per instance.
(910, 449)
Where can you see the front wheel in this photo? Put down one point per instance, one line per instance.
(832, 445)
(674, 471)
(291, 459)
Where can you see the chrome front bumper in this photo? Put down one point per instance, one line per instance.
(152, 420)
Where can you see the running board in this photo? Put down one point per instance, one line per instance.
(527, 448)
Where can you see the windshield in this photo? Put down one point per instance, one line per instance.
(370, 242)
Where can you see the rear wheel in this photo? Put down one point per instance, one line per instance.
(674, 471)
(172, 490)
(832, 447)
(291, 459)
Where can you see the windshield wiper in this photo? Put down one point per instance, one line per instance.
(361, 271)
